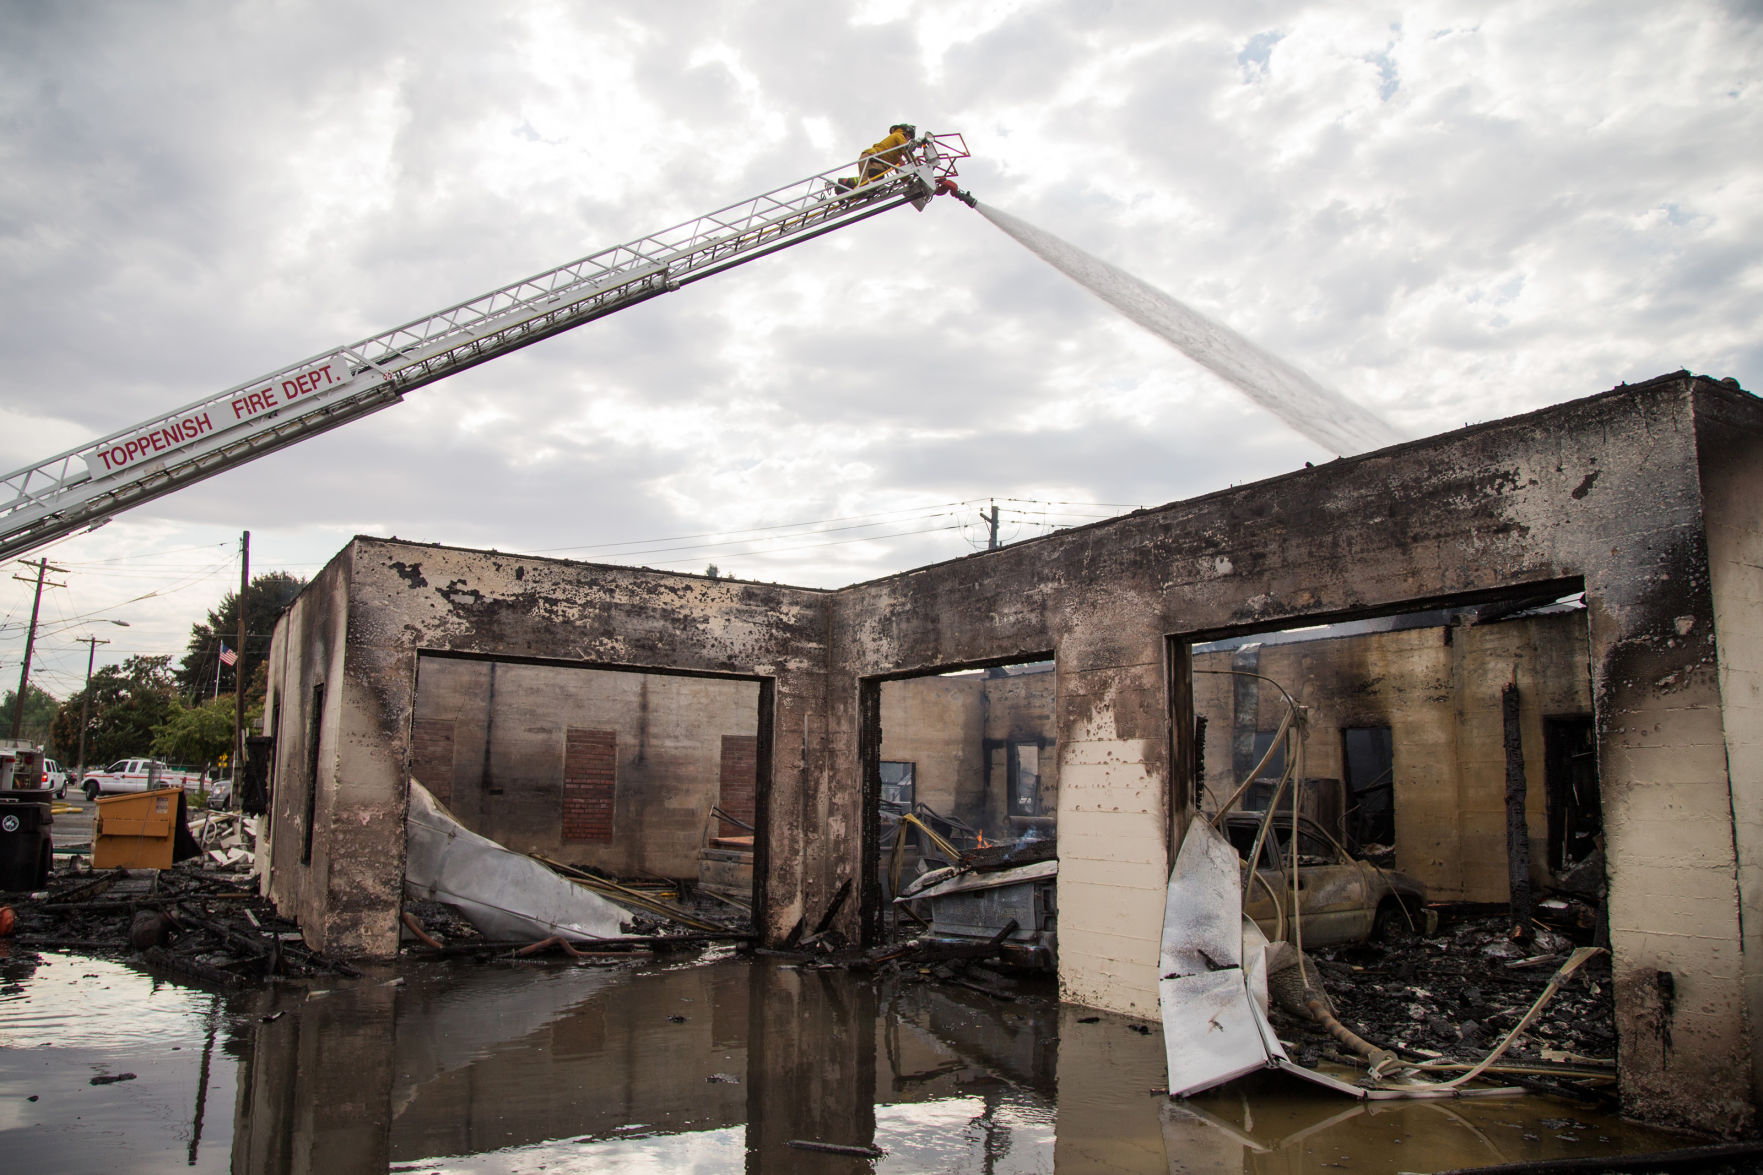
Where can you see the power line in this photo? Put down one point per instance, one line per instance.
(721, 534)
(834, 543)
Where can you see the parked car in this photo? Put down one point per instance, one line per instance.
(132, 775)
(219, 791)
(1341, 899)
(55, 778)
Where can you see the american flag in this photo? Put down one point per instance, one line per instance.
(227, 656)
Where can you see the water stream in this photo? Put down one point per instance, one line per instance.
(1320, 413)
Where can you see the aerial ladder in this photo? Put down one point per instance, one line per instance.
(84, 487)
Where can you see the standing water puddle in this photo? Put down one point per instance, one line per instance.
(705, 1066)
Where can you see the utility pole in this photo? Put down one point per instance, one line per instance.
(992, 518)
(79, 772)
(30, 640)
(236, 763)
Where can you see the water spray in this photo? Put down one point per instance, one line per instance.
(1319, 413)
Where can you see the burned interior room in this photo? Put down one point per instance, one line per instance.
(967, 772)
(634, 774)
(1602, 557)
(1403, 735)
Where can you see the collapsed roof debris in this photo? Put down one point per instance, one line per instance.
(501, 900)
(199, 921)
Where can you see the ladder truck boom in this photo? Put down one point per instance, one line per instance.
(85, 486)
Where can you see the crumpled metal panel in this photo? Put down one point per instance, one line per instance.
(507, 895)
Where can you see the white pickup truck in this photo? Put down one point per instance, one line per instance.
(128, 775)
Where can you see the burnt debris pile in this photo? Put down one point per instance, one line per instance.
(192, 922)
(1443, 1001)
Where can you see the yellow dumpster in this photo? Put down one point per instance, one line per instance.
(142, 831)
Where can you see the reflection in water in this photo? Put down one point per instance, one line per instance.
(714, 1066)
(1267, 1124)
(67, 1022)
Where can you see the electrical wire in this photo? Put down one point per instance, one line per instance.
(817, 546)
(719, 534)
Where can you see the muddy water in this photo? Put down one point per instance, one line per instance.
(700, 1065)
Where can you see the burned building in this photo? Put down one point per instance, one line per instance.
(1641, 501)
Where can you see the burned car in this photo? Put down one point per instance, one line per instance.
(1341, 899)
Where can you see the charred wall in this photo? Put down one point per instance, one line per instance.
(1730, 444)
(384, 603)
(343, 892)
(1602, 491)
(1606, 492)
(494, 741)
(956, 730)
(937, 724)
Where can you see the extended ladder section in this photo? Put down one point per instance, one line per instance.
(85, 486)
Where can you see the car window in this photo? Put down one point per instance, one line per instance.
(1242, 838)
(119, 766)
(1315, 850)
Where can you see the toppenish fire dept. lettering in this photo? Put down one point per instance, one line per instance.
(271, 396)
(120, 454)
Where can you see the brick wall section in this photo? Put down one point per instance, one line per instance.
(431, 756)
(738, 793)
(590, 766)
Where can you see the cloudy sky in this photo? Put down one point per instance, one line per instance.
(1448, 212)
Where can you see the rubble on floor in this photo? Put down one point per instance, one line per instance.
(1450, 997)
(197, 922)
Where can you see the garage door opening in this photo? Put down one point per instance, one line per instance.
(1446, 835)
(646, 777)
(1402, 736)
(962, 776)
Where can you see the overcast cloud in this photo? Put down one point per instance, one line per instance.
(1448, 212)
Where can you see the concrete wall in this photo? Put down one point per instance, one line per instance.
(938, 725)
(1605, 491)
(364, 621)
(505, 775)
(956, 729)
(330, 837)
(1438, 690)
(1730, 446)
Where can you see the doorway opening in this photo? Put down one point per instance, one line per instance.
(1401, 755)
(651, 777)
(962, 776)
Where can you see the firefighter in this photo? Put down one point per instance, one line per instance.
(883, 157)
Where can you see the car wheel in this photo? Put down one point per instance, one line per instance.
(1395, 922)
(61, 792)
(92, 792)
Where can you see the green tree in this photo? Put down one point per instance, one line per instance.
(265, 597)
(199, 735)
(128, 702)
(39, 714)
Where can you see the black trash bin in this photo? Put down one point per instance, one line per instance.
(26, 851)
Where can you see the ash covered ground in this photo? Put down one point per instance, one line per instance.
(1453, 996)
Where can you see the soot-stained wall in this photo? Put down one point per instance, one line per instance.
(394, 601)
(498, 744)
(1644, 495)
(1603, 492)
